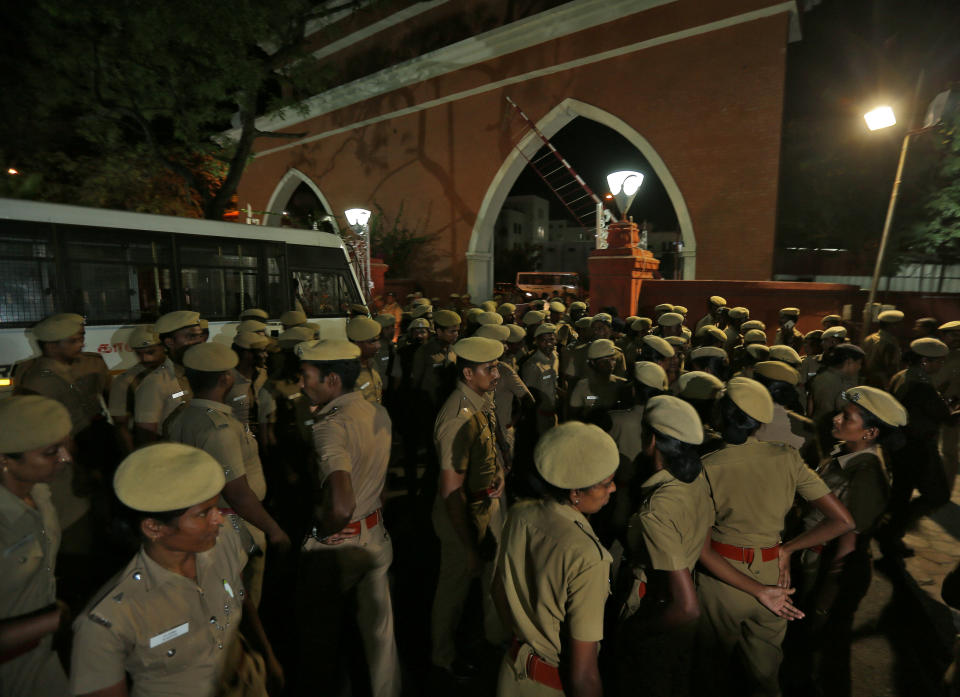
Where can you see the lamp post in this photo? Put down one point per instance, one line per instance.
(624, 186)
(357, 219)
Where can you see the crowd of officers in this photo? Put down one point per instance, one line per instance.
(745, 482)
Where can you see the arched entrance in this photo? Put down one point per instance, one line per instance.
(480, 252)
(290, 182)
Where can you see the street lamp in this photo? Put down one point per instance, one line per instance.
(880, 117)
(357, 219)
(624, 186)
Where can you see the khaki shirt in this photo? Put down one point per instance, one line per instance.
(669, 529)
(211, 426)
(382, 360)
(947, 379)
(780, 429)
(704, 321)
(428, 371)
(555, 574)
(861, 483)
(882, 358)
(29, 539)
(510, 386)
(369, 382)
(539, 374)
(733, 338)
(625, 431)
(122, 391)
(171, 634)
(809, 367)
(597, 391)
(826, 390)
(753, 486)
(246, 396)
(79, 386)
(353, 435)
(794, 341)
(160, 393)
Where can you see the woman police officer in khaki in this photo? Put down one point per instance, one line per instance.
(552, 576)
(745, 592)
(33, 448)
(171, 619)
(664, 539)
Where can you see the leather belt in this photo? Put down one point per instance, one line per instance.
(744, 554)
(480, 495)
(537, 669)
(370, 521)
(641, 589)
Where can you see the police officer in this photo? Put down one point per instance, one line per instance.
(840, 370)
(947, 382)
(600, 389)
(171, 619)
(432, 370)
(166, 388)
(254, 313)
(33, 448)
(788, 425)
(247, 396)
(510, 389)
(882, 350)
(539, 374)
(552, 574)
(467, 512)
(348, 549)
(788, 334)
(150, 355)
(753, 485)
(664, 540)
(714, 303)
(365, 333)
(735, 316)
(207, 422)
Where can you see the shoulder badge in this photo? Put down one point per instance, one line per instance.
(219, 419)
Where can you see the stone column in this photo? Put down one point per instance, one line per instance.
(617, 272)
(480, 275)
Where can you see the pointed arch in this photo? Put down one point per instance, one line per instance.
(480, 251)
(284, 190)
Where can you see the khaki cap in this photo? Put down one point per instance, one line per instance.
(660, 345)
(675, 418)
(167, 477)
(545, 328)
(650, 374)
(880, 403)
(471, 314)
(497, 332)
(717, 300)
(830, 318)
(517, 333)
(422, 301)
(578, 305)
(753, 324)
(446, 318)
(293, 318)
(602, 317)
(58, 327)
(680, 309)
(708, 352)
(575, 455)
(697, 384)
(755, 336)
(211, 357)
(254, 313)
(670, 319)
(790, 312)
(950, 326)
(363, 329)
(507, 309)
(538, 304)
(385, 320)
(294, 335)
(713, 330)
(489, 317)
(557, 307)
(421, 311)
(478, 349)
(738, 313)
(251, 341)
(533, 317)
(787, 354)
(641, 323)
(30, 422)
(601, 348)
(677, 341)
(760, 352)
(663, 307)
(488, 306)
(204, 324)
(835, 333)
(890, 316)
(752, 398)
(929, 347)
(454, 296)
(172, 321)
(411, 296)
(143, 336)
(775, 370)
(251, 325)
(583, 323)
(813, 334)
(419, 323)
(327, 350)
(631, 319)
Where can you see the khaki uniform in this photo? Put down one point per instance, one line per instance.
(704, 321)
(160, 393)
(625, 429)
(825, 392)
(794, 340)
(383, 361)
(352, 435)
(29, 539)
(431, 363)
(539, 374)
(665, 534)
(173, 636)
(753, 487)
(597, 392)
(809, 367)
(211, 426)
(369, 382)
(465, 439)
(947, 382)
(882, 358)
(794, 430)
(509, 387)
(122, 389)
(246, 398)
(733, 338)
(555, 574)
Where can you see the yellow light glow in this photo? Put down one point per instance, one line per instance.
(881, 117)
(11, 170)
(5, 382)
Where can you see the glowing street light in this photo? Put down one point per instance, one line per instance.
(358, 218)
(880, 117)
(11, 171)
(624, 186)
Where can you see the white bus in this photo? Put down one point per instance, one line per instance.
(119, 269)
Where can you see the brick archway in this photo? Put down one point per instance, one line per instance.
(480, 251)
(284, 190)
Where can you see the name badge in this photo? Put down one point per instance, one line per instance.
(591, 396)
(177, 395)
(364, 385)
(235, 399)
(169, 634)
(546, 377)
(308, 422)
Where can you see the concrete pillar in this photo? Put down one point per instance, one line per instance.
(480, 275)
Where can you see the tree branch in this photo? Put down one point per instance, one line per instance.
(273, 134)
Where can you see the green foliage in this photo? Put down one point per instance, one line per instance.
(404, 250)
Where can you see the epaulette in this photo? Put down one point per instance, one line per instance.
(219, 419)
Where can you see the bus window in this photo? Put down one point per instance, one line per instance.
(219, 277)
(27, 272)
(323, 292)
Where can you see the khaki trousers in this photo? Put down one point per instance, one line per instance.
(731, 619)
(510, 684)
(330, 576)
